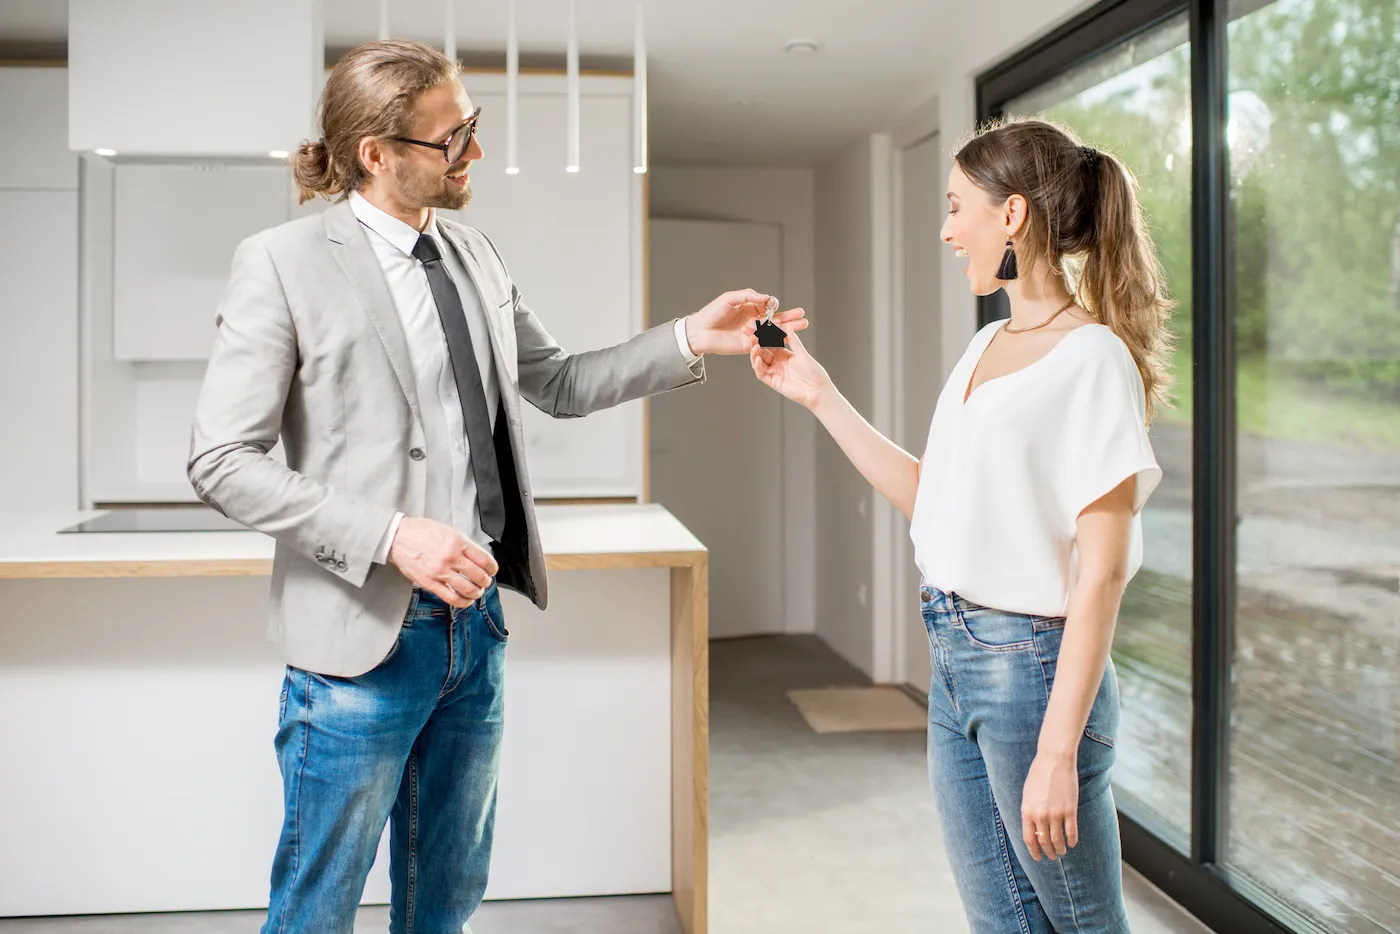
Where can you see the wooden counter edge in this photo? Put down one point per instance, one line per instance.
(254, 567)
(690, 743)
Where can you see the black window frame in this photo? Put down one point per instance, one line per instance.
(1199, 880)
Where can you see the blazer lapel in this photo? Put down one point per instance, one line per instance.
(356, 257)
(488, 305)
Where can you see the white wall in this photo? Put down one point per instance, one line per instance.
(784, 197)
(854, 280)
(846, 284)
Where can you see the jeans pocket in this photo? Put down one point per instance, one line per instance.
(995, 630)
(282, 699)
(1098, 737)
(494, 618)
(1102, 727)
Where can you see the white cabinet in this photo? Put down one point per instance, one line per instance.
(163, 78)
(33, 108)
(159, 240)
(175, 230)
(38, 350)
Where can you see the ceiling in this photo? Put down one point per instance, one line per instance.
(722, 91)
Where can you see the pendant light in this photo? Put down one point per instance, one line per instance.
(449, 36)
(573, 130)
(639, 97)
(512, 94)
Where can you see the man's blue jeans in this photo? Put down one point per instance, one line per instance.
(416, 741)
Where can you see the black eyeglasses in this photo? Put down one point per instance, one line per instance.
(458, 141)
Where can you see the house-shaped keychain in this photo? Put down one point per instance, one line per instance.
(768, 333)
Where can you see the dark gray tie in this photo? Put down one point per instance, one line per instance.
(471, 393)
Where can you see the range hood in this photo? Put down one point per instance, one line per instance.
(193, 78)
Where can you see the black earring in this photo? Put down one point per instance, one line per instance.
(1007, 269)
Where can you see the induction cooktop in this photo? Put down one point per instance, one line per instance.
(168, 519)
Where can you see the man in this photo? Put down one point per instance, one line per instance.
(390, 351)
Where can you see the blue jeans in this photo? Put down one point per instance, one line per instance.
(992, 675)
(418, 740)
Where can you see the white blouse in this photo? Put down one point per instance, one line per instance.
(1007, 472)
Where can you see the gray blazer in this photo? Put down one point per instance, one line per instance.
(310, 349)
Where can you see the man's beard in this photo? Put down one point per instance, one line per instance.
(433, 191)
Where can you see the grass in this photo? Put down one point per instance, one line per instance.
(1276, 406)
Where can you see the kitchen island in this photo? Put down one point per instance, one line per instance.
(140, 701)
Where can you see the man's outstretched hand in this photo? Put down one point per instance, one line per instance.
(719, 326)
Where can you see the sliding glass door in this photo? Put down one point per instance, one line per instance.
(1258, 650)
(1314, 764)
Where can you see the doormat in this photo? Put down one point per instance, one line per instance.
(875, 709)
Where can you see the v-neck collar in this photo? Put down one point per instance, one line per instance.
(969, 390)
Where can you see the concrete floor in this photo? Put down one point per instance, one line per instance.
(810, 834)
(832, 833)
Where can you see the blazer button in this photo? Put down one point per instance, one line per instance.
(341, 565)
(416, 453)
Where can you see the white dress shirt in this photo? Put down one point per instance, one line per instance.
(451, 486)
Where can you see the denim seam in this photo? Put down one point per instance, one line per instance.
(1069, 894)
(412, 886)
(950, 679)
(296, 806)
(454, 683)
(1004, 845)
(1044, 681)
(451, 654)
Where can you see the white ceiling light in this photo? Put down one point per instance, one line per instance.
(279, 154)
(802, 47)
(639, 96)
(383, 20)
(449, 38)
(512, 94)
(573, 163)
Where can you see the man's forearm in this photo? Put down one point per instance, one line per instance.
(573, 385)
(338, 530)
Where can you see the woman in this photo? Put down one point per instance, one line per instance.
(1025, 519)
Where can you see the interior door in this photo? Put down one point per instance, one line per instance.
(716, 449)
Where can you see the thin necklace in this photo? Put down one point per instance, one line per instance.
(1010, 330)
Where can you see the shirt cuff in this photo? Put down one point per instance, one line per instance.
(690, 355)
(381, 554)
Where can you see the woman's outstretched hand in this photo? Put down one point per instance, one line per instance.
(793, 372)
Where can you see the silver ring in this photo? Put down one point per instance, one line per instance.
(1040, 833)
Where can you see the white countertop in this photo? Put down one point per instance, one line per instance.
(31, 544)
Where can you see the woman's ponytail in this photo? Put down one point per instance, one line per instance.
(1122, 282)
(1085, 226)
